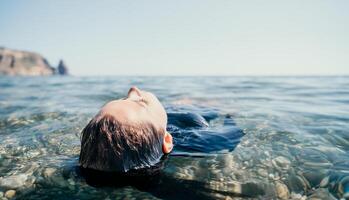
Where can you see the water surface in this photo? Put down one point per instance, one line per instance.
(287, 137)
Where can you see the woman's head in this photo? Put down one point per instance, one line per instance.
(128, 133)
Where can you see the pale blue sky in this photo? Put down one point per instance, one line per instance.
(183, 37)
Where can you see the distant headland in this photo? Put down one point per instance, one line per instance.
(25, 63)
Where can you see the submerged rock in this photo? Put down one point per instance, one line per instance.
(48, 172)
(31, 168)
(281, 162)
(297, 183)
(10, 193)
(343, 187)
(14, 181)
(262, 172)
(249, 189)
(321, 194)
(324, 182)
(313, 178)
(296, 196)
(282, 190)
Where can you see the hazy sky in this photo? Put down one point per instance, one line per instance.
(183, 37)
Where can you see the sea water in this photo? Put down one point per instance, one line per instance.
(292, 137)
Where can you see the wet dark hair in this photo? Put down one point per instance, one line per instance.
(107, 145)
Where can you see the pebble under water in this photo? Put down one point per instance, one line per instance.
(235, 137)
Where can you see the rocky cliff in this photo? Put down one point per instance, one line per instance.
(24, 63)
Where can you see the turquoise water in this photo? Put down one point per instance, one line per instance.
(295, 141)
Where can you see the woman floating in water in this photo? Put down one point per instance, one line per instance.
(133, 133)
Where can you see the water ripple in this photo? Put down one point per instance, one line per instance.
(288, 137)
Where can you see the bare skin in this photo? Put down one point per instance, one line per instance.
(140, 107)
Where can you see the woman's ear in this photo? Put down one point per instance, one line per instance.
(167, 144)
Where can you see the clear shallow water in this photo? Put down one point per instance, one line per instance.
(295, 143)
